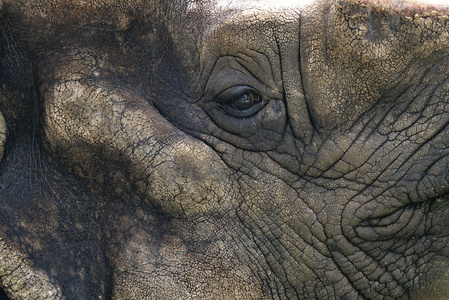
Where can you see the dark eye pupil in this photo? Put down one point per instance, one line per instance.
(245, 101)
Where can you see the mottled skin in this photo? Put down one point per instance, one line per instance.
(128, 171)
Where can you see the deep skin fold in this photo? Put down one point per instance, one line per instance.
(126, 182)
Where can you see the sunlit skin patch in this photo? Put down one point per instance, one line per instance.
(264, 3)
(411, 7)
(416, 4)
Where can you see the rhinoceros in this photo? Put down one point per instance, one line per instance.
(219, 149)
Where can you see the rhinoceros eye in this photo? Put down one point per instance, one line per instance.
(244, 101)
(240, 101)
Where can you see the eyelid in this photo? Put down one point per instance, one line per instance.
(243, 113)
(232, 92)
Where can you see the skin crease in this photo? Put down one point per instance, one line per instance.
(125, 175)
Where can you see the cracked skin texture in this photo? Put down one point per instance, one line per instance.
(131, 171)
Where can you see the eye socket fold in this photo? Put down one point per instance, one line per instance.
(240, 101)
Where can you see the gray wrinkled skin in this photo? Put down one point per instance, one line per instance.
(202, 149)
